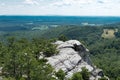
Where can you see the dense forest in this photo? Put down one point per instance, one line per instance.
(15, 52)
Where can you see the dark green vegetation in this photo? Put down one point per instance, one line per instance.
(20, 59)
(105, 53)
(83, 75)
(60, 74)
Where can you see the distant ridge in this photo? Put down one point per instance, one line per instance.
(61, 20)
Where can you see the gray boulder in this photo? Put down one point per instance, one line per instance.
(72, 57)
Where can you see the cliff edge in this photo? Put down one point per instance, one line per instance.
(72, 57)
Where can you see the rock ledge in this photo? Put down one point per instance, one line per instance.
(72, 57)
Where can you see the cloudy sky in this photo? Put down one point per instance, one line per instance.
(60, 7)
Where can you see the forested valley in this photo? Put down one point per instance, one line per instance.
(19, 51)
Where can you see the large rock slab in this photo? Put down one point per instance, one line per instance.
(72, 57)
(68, 59)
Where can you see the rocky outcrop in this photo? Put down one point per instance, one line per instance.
(72, 57)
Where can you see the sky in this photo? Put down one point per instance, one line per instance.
(60, 7)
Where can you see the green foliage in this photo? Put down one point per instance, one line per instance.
(117, 34)
(103, 78)
(62, 38)
(60, 74)
(20, 61)
(118, 78)
(3, 51)
(85, 74)
(77, 76)
(50, 50)
(44, 46)
(105, 53)
(9, 78)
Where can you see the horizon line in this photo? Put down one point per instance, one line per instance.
(63, 15)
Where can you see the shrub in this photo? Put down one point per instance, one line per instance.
(60, 74)
(77, 76)
(85, 74)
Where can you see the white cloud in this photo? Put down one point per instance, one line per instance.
(72, 2)
(84, 2)
(61, 7)
(31, 2)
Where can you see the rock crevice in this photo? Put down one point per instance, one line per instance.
(71, 58)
